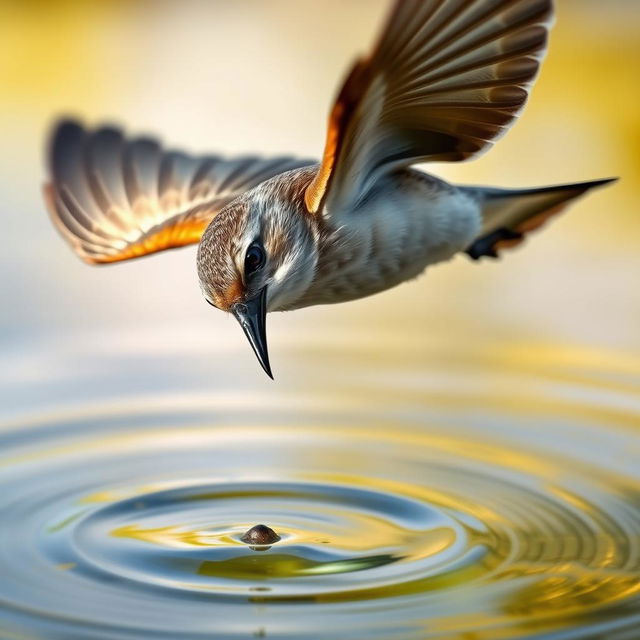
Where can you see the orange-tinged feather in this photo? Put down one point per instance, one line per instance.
(316, 190)
(537, 221)
(171, 237)
(531, 224)
(345, 104)
(442, 83)
(232, 294)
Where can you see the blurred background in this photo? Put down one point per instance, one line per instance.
(256, 76)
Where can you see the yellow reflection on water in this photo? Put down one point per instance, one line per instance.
(568, 588)
(174, 536)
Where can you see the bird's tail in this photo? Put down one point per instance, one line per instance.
(510, 214)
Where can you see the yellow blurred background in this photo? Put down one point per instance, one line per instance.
(259, 76)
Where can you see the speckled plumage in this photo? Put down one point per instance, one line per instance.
(274, 212)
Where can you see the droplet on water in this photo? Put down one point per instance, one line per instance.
(260, 535)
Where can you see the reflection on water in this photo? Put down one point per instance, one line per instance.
(484, 497)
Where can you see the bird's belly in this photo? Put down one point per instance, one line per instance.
(393, 238)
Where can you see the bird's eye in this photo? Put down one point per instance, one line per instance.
(254, 259)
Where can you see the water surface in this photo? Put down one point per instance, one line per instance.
(494, 494)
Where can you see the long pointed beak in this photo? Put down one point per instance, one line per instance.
(252, 316)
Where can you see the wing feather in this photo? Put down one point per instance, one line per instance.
(445, 80)
(114, 198)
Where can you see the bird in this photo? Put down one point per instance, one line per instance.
(444, 80)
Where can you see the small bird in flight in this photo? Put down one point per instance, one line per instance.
(444, 81)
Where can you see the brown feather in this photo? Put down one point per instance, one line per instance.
(444, 81)
(338, 120)
(115, 199)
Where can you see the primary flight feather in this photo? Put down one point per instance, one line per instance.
(444, 81)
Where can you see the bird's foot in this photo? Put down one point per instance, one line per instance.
(485, 246)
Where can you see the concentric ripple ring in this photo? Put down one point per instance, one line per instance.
(411, 519)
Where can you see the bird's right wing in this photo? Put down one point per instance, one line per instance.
(446, 79)
(115, 199)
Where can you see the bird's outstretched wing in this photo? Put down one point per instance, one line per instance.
(445, 80)
(115, 199)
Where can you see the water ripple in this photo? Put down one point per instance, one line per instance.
(423, 511)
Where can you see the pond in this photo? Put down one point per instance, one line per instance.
(492, 493)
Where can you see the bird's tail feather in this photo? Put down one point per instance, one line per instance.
(510, 214)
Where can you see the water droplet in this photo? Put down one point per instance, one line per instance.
(260, 534)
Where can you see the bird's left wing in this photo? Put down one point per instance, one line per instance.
(445, 80)
(115, 199)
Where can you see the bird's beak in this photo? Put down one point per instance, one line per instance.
(252, 316)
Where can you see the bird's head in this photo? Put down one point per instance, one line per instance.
(257, 255)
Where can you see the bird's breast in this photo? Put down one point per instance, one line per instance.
(410, 222)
